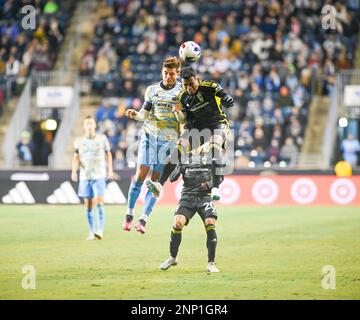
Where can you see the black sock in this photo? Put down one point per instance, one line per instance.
(175, 242)
(211, 242)
(129, 218)
(142, 221)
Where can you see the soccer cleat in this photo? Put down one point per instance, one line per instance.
(215, 194)
(127, 224)
(211, 267)
(168, 263)
(98, 235)
(154, 187)
(139, 227)
(90, 237)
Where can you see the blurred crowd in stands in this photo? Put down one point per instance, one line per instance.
(25, 49)
(267, 54)
(22, 50)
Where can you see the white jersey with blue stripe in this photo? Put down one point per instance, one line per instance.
(92, 156)
(162, 121)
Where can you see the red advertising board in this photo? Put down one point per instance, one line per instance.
(278, 190)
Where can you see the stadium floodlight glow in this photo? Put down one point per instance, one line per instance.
(343, 122)
(50, 124)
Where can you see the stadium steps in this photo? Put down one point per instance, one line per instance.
(5, 121)
(311, 151)
(78, 36)
(88, 106)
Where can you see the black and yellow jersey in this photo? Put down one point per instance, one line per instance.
(204, 109)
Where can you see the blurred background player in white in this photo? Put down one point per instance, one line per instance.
(92, 154)
(160, 133)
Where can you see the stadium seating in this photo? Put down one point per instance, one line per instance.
(263, 53)
(23, 50)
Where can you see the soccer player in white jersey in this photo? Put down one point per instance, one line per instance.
(92, 154)
(159, 137)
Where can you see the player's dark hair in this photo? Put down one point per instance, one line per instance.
(172, 62)
(89, 117)
(187, 73)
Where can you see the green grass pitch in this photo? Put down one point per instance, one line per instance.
(263, 253)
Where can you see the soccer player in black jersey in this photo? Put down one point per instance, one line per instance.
(195, 198)
(201, 107)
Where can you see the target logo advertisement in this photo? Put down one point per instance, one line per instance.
(343, 191)
(278, 190)
(236, 190)
(304, 191)
(265, 191)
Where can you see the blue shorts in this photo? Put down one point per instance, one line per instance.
(153, 151)
(92, 188)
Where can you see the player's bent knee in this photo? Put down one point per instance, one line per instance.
(155, 175)
(209, 221)
(100, 200)
(141, 173)
(179, 221)
(88, 203)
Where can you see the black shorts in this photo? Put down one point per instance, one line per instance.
(221, 128)
(203, 205)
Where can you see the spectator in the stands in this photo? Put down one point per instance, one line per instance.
(110, 90)
(104, 112)
(51, 7)
(350, 148)
(289, 151)
(42, 148)
(40, 58)
(12, 66)
(25, 149)
(273, 152)
(259, 139)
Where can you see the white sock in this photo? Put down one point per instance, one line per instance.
(144, 217)
(130, 212)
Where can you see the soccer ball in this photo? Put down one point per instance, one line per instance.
(189, 51)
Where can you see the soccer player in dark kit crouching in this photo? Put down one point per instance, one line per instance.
(195, 198)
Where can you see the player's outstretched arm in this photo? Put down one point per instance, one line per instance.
(226, 100)
(137, 115)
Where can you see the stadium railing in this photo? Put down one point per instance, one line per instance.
(336, 109)
(64, 132)
(19, 123)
